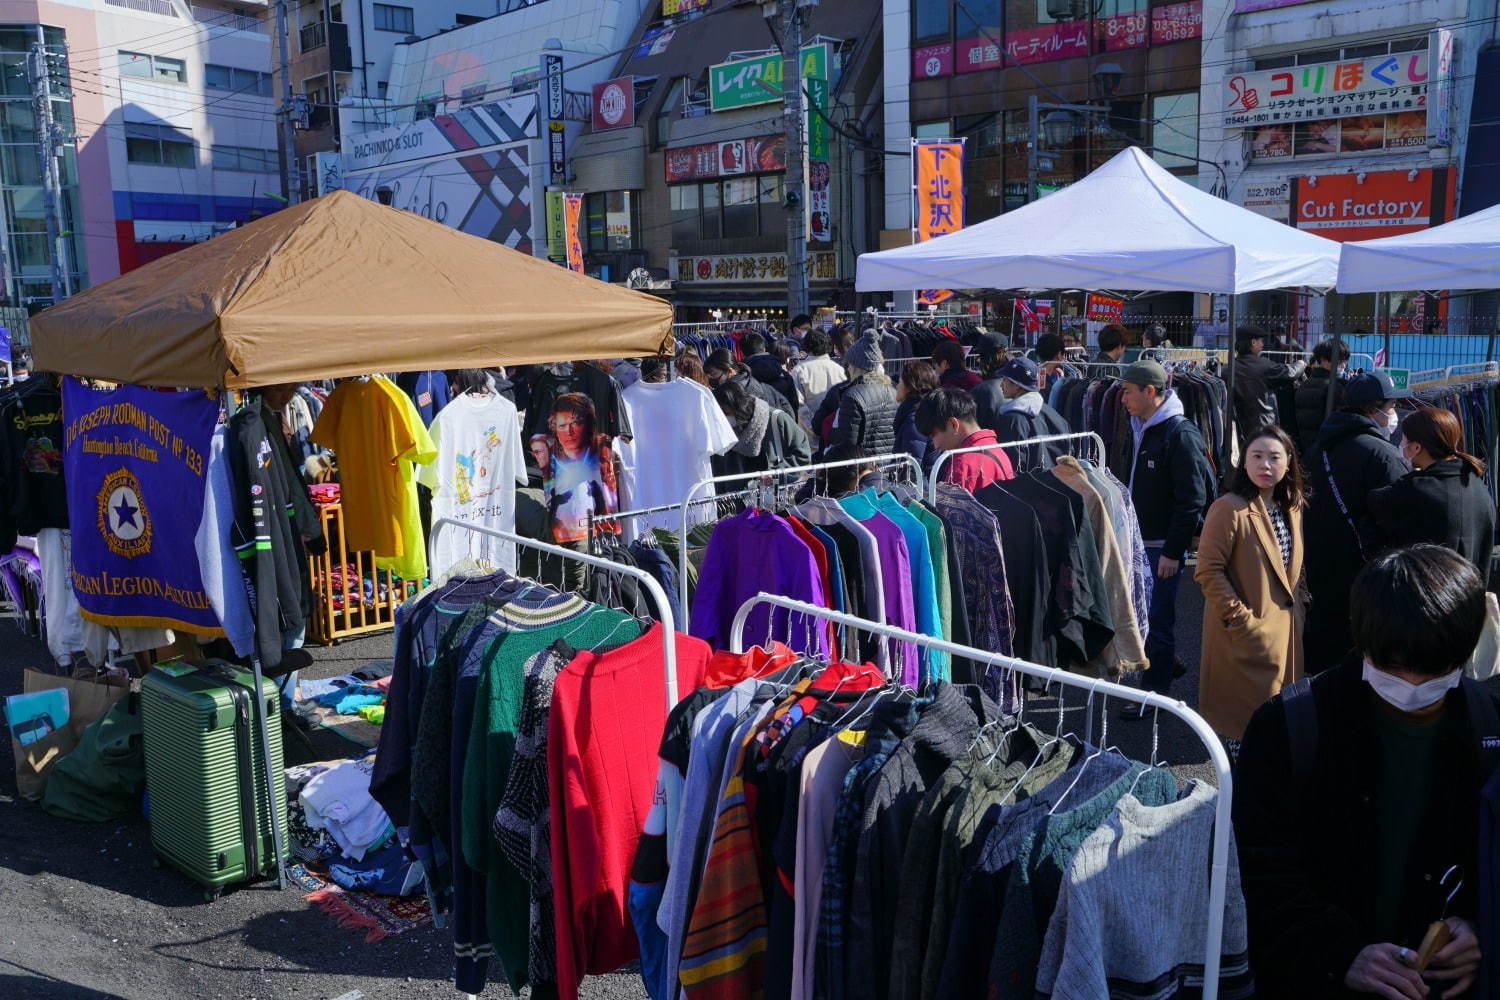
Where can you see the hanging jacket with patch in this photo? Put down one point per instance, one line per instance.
(272, 516)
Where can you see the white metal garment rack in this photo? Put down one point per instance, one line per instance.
(664, 610)
(658, 595)
(1219, 862)
(933, 478)
(879, 461)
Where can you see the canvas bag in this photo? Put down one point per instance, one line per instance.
(88, 700)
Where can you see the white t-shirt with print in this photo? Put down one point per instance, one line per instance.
(678, 425)
(474, 478)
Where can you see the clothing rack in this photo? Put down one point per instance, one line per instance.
(1219, 862)
(664, 610)
(663, 508)
(943, 456)
(1303, 355)
(1454, 373)
(878, 461)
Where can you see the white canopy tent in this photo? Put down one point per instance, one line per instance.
(1464, 253)
(1128, 226)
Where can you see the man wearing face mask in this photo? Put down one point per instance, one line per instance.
(1352, 456)
(1356, 792)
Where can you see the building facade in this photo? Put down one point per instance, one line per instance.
(341, 52)
(1350, 120)
(484, 117)
(1103, 76)
(165, 133)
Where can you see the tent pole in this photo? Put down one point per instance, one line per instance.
(1385, 324)
(275, 783)
(1229, 418)
(1333, 376)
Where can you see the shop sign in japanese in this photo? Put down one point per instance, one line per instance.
(761, 154)
(1440, 113)
(745, 83)
(572, 213)
(1047, 42)
(670, 7)
(1177, 22)
(557, 249)
(931, 61)
(1122, 31)
(614, 103)
(975, 54)
(1273, 199)
(1378, 85)
(557, 151)
(937, 190)
(739, 269)
(1368, 205)
(1102, 310)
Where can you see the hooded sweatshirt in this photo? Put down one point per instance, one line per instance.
(1170, 407)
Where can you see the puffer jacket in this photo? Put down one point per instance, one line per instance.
(908, 438)
(1312, 404)
(867, 416)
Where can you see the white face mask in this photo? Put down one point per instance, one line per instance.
(1392, 421)
(1405, 696)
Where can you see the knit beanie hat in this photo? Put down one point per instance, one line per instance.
(865, 353)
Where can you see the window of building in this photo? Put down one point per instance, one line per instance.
(933, 130)
(734, 208)
(712, 219)
(613, 220)
(1363, 50)
(772, 194)
(149, 67)
(741, 207)
(1174, 129)
(244, 81)
(260, 161)
(161, 145)
(382, 88)
(931, 20)
(389, 17)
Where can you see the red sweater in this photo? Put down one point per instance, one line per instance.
(608, 712)
(977, 469)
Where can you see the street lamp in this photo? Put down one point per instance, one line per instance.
(1058, 127)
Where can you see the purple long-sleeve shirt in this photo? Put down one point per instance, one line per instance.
(749, 553)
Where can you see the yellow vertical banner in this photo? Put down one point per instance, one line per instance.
(937, 197)
(937, 188)
(572, 212)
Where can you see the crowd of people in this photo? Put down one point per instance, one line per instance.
(1343, 566)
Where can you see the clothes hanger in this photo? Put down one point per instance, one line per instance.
(1103, 748)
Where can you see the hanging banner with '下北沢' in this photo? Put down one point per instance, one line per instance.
(135, 463)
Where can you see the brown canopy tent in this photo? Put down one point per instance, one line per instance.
(335, 287)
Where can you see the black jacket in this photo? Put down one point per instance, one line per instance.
(1169, 484)
(988, 398)
(768, 371)
(272, 517)
(1017, 425)
(1445, 504)
(783, 446)
(1361, 460)
(1308, 854)
(866, 416)
(760, 390)
(908, 438)
(1312, 402)
(1256, 378)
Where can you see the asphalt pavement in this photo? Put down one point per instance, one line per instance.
(85, 916)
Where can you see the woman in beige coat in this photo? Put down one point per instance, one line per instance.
(1250, 569)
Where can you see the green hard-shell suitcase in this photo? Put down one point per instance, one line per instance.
(210, 817)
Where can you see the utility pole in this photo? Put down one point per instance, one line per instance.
(790, 14)
(289, 190)
(49, 145)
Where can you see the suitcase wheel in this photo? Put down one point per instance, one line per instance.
(212, 895)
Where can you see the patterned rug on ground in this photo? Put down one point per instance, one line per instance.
(350, 727)
(379, 916)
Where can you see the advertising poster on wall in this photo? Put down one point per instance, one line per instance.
(1364, 206)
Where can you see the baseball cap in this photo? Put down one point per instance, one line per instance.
(1369, 388)
(1145, 373)
(1023, 372)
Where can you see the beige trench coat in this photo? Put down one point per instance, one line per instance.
(1253, 605)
